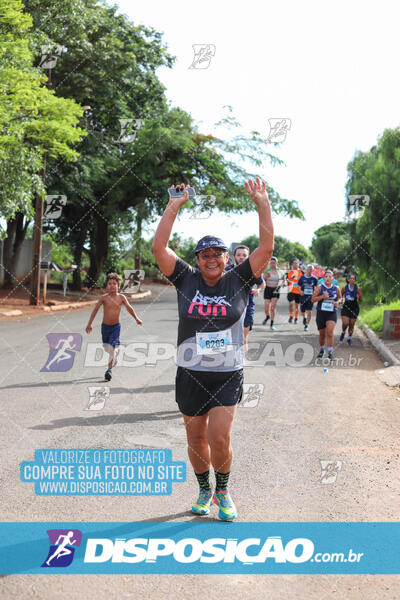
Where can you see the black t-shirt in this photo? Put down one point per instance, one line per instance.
(210, 332)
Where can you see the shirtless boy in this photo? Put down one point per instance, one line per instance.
(111, 327)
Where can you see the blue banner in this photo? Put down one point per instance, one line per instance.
(195, 547)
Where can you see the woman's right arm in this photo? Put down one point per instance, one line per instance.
(315, 297)
(165, 257)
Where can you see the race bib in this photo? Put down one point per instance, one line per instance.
(213, 342)
(350, 298)
(327, 306)
(295, 285)
(308, 291)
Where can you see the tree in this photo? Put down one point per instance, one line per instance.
(374, 178)
(326, 239)
(116, 78)
(33, 121)
(284, 249)
(115, 183)
(251, 242)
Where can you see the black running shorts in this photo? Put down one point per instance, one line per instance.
(296, 297)
(325, 315)
(196, 392)
(350, 310)
(271, 292)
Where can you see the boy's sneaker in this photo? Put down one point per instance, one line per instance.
(107, 375)
(341, 337)
(320, 354)
(272, 327)
(202, 506)
(349, 341)
(227, 510)
(306, 327)
(290, 319)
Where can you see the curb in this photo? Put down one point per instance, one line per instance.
(65, 306)
(379, 345)
(11, 313)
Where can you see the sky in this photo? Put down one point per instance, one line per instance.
(329, 68)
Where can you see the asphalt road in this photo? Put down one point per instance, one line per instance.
(301, 416)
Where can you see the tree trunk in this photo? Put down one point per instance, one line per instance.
(99, 250)
(78, 250)
(138, 249)
(8, 252)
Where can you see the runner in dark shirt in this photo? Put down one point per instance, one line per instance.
(212, 305)
(240, 254)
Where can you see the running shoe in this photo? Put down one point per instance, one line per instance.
(330, 355)
(320, 354)
(107, 375)
(227, 510)
(265, 321)
(272, 328)
(295, 321)
(202, 506)
(341, 337)
(349, 341)
(290, 319)
(306, 327)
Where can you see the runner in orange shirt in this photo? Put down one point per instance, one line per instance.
(294, 296)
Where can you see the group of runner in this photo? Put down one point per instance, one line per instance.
(309, 286)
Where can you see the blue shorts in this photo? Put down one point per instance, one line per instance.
(110, 334)
(249, 318)
(306, 304)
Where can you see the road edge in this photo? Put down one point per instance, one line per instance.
(67, 306)
(378, 344)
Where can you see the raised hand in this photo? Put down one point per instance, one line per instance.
(257, 191)
(180, 201)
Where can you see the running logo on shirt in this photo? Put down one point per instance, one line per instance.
(206, 306)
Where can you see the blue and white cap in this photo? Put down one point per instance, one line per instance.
(210, 241)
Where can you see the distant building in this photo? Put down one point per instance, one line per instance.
(24, 264)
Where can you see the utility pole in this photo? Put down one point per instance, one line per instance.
(38, 227)
(37, 243)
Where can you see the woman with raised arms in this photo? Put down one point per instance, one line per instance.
(212, 306)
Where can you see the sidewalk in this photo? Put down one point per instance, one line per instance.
(393, 345)
(15, 302)
(389, 350)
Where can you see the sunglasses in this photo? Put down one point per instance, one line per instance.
(209, 256)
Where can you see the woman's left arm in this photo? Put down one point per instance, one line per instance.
(339, 297)
(260, 257)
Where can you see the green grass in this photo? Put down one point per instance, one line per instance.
(372, 315)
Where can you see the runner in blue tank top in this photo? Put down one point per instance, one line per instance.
(307, 284)
(328, 297)
(352, 296)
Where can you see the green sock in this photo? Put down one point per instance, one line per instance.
(221, 480)
(204, 480)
